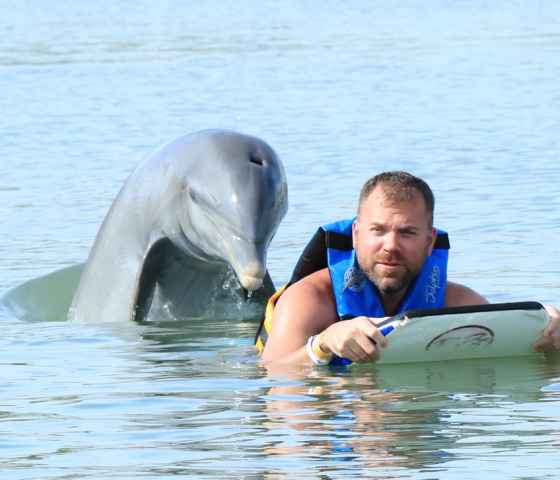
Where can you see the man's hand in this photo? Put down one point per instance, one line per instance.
(550, 339)
(357, 339)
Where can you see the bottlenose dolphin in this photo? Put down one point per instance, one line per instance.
(187, 234)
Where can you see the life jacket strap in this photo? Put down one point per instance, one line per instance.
(266, 324)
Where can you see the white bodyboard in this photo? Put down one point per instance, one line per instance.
(483, 331)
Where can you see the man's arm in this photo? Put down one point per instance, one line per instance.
(458, 295)
(308, 308)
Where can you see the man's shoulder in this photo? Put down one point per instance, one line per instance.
(310, 296)
(317, 283)
(458, 295)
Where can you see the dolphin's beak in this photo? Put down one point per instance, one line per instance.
(249, 262)
(250, 283)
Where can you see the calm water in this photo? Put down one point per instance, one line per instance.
(464, 94)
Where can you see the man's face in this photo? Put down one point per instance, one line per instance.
(392, 239)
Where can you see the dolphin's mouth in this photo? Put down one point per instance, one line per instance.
(247, 259)
(250, 282)
(191, 249)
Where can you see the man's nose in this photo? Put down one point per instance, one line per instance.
(390, 242)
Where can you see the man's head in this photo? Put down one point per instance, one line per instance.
(400, 186)
(393, 232)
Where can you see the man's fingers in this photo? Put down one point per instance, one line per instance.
(363, 350)
(358, 339)
(375, 334)
(368, 346)
(550, 339)
(376, 321)
(366, 342)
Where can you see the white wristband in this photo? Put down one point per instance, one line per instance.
(312, 355)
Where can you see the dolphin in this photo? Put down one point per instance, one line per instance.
(188, 233)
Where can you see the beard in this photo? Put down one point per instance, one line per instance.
(391, 283)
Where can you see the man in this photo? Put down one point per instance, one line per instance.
(386, 273)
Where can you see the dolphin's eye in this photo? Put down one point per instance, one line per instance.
(255, 159)
(192, 194)
(201, 197)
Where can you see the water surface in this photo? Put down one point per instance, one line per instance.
(464, 94)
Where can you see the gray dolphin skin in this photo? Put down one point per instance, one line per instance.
(188, 234)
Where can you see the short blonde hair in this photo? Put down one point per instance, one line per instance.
(403, 187)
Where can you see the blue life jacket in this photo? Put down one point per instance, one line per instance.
(356, 295)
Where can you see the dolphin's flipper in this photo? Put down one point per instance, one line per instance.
(46, 298)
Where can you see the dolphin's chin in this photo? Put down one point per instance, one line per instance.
(250, 283)
(250, 273)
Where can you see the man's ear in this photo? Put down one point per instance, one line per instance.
(354, 232)
(432, 240)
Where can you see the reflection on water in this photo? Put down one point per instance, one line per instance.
(412, 417)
